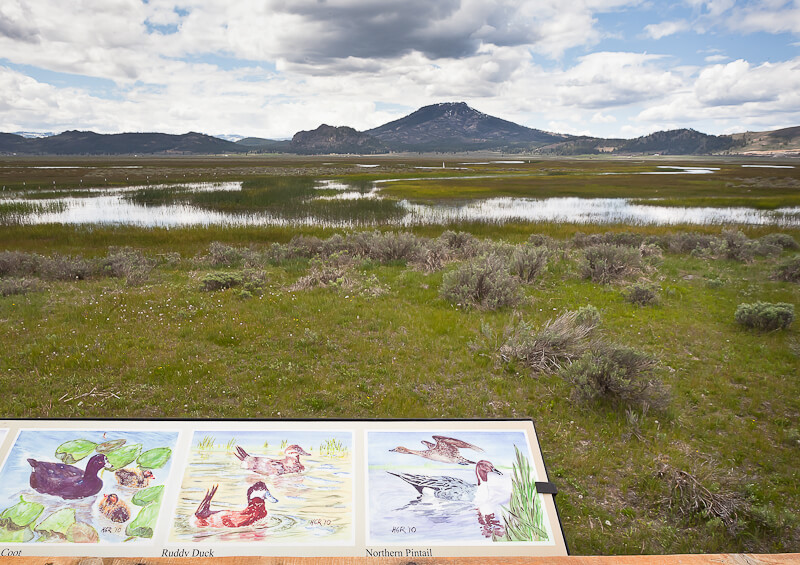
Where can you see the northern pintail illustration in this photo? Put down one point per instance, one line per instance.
(445, 450)
(452, 488)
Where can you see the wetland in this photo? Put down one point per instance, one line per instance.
(335, 308)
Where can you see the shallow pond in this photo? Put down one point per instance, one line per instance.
(115, 206)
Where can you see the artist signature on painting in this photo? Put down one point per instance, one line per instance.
(403, 529)
(320, 522)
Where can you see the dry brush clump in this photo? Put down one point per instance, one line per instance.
(689, 497)
(551, 347)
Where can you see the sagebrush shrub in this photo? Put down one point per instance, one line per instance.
(19, 264)
(607, 263)
(556, 344)
(66, 268)
(483, 282)
(686, 242)
(765, 316)
(528, 262)
(220, 254)
(220, 281)
(782, 240)
(789, 270)
(127, 263)
(641, 294)
(13, 286)
(620, 375)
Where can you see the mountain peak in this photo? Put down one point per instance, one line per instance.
(456, 126)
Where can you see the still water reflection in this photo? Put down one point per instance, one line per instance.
(101, 206)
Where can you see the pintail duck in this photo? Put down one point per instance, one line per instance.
(67, 481)
(256, 509)
(136, 478)
(445, 450)
(452, 488)
(266, 466)
(115, 509)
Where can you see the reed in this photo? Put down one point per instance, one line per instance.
(524, 516)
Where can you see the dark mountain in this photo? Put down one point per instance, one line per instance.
(678, 142)
(90, 143)
(454, 126)
(673, 142)
(265, 145)
(329, 139)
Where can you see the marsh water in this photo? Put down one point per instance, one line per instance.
(313, 506)
(338, 204)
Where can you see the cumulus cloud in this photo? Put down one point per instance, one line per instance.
(603, 80)
(663, 29)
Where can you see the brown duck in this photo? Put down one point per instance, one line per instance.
(445, 450)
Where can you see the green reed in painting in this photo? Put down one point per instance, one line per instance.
(524, 517)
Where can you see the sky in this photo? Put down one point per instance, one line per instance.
(269, 68)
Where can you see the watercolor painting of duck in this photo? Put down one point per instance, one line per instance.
(135, 478)
(267, 466)
(445, 450)
(254, 511)
(452, 488)
(114, 508)
(67, 481)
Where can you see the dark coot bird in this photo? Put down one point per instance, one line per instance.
(67, 481)
(256, 509)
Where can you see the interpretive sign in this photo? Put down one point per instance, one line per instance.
(170, 488)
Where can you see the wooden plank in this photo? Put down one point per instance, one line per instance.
(691, 559)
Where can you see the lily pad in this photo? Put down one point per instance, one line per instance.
(57, 523)
(122, 456)
(154, 458)
(20, 535)
(21, 514)
(74, 450)
(145, 521)
(81, 532)
(107, 446)
(148, 495)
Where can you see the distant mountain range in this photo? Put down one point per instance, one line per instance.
(446, 127)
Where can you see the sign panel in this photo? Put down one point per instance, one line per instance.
(139, 488)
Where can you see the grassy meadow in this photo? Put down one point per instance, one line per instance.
(313, 322)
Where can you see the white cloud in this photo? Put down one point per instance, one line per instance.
(603, 80)
(716, 58)
(601, 118)
(663, 29)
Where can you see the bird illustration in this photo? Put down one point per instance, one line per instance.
(254, 511)
(445, 450)
(266, 466)
(67, 481)
(136, 478)
(114, 508)
(452, 488)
